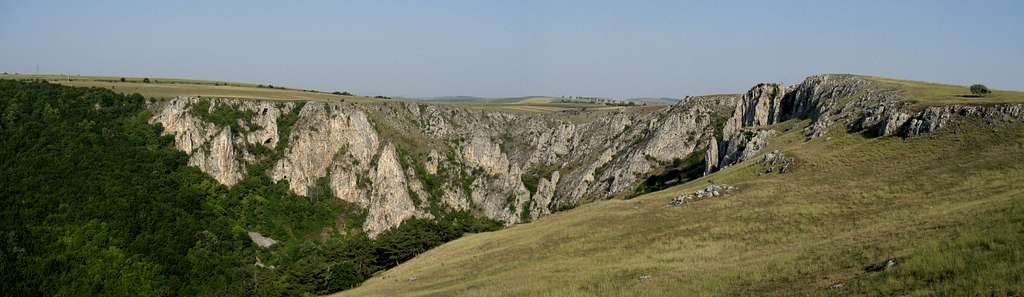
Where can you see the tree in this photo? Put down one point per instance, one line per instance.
(122, 79)
(145, 80)
(980, 90)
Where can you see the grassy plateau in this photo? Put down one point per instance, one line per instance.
(926, 94)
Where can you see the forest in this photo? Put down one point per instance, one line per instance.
(97, 202)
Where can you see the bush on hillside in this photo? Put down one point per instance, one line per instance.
(980, 90)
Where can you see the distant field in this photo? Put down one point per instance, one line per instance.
(950, 211)
(80, 78)
(532, 106)
(932, 94)
(538, 100)
(164, 88)
(527, 104)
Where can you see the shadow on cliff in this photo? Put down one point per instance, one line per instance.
(677, 172)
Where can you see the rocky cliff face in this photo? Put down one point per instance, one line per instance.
(832, 100)
(884, 120)
(401, 160)
(864, 106)
(214, 149)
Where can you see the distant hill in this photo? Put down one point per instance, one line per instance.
(654, 101)
(545, 99)
(452, 98)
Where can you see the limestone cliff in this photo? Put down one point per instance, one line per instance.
(854, 102)
(216, 149)
(400, 160)
(404, 159)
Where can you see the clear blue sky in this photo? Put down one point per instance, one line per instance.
(512, 48)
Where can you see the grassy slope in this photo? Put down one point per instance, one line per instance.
(949, 207)
(932, 94)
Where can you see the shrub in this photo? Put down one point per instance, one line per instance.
(980, 90)
(145, 80)
(122, 79)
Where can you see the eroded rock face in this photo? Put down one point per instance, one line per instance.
(711, 158)
(934, 118)
(398, 160)
(864, 106)
(328, 136)
(760, 106)
(216, 150)
(744, 146)
(742, 137)
(218, 157)
(389, 202)
(835, 100)
(820, 98)
(401, 160)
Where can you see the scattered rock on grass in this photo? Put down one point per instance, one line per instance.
(776, 161)
(889, 263)
(708, 192)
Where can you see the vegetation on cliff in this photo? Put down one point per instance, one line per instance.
(96, 202)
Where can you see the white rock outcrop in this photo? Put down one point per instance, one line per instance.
(512, 167)
(402, 160)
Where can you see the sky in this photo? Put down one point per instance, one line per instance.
(519, 48)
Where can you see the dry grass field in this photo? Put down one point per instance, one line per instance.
(932, 94)
(948, 208)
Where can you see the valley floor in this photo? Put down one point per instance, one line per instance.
(947, 208)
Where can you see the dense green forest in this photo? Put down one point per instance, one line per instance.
(97, 202)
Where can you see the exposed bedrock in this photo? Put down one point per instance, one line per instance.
(401, 160)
